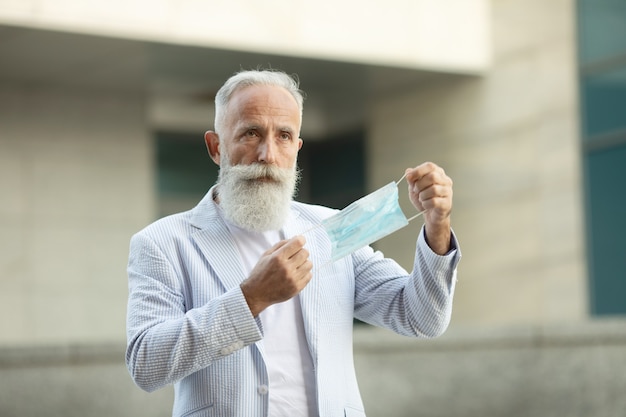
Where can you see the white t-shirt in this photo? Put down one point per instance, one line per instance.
(288, 359)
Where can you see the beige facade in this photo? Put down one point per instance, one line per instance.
(510, 141)
(76, 179)
(487, 89)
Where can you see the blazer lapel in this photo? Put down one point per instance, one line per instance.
(216, 243)
(218, 247)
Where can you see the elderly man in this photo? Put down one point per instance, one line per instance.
(244, 312)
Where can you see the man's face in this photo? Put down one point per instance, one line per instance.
(257, 151)
(262, 125)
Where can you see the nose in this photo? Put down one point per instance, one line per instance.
(267, 152)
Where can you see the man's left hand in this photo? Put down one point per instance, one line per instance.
(430, 189)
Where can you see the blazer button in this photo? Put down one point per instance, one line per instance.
(225, 351)
(263, 389)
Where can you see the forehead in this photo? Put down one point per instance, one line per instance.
(264, 101)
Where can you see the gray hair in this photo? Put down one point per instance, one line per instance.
(250, 78)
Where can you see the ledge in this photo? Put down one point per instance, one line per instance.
(61, 355)
(369, 339)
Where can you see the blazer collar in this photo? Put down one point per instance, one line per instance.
(216, 243)
(205, 214)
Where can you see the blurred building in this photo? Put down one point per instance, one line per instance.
(103, 106)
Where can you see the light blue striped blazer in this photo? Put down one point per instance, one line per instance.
(188, 322)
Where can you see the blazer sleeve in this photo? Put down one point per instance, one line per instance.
(418, 304)
(165, 340)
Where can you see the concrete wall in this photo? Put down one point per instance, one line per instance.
(510, 142)
(525, 371)
(76, 182)
(80, 380)
(521, 371)
(449, 35)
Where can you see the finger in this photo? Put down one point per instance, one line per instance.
(276, 247)
(415, 174)
(441, 205)
(434, 187)
(304, 271)
(294, 246)
(288, 247)
(442, 182)
(435, 191)
(299, 257)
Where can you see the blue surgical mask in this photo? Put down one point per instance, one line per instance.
(365, 221)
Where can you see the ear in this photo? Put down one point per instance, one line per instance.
(300, 142)
(212, 141)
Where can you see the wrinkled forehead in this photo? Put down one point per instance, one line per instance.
(269, 95)
(263, 100)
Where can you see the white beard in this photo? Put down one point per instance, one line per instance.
(253, 204)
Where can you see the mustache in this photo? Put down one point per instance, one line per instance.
(257, 171)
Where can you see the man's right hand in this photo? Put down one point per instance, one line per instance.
(280, 274)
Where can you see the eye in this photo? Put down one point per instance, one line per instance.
(250, 135)
(285, 136)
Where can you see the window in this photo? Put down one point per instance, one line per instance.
(185, 171)
(602, 69)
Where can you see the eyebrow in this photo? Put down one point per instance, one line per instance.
(245, 128)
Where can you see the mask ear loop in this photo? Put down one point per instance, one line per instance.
(418, 214)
